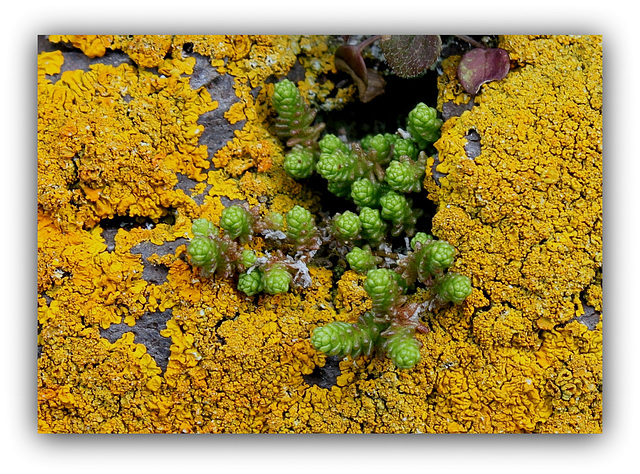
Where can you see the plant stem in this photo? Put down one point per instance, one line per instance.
(367, 42)
(470, 40)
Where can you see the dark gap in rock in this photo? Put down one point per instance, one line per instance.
(450, 109)
(147, 332)
(472, 147)
(217, 129)
(387, 112)
(590, 318)
(187, 185)
(296, 73)
(203, 71)
(111, 226)
(327, 376)
(156, 273)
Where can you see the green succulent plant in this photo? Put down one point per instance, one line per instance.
(236, 221)
(295, 118)
(374, 229)
(405, 175)
(248, 258)
(420, 238)
(361, 260)
(405, 147)
(251, 283)
(366, 193)
(204, 228)
(338, 166)
(203, 252)
(454, 287)
(299, 162)
(300, 226)
(375, 174)
(382, 286)
(424, 125)
(347, 226)
(397, 209)
(403, 348)
(343, 339)
(437, 256)
(276, 280)
(330, 143)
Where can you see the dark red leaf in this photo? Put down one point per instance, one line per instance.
(481, 65)
(349, 59)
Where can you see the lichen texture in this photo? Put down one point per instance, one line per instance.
(139, 136)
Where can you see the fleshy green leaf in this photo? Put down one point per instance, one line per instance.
(480, 65)
(410, 55)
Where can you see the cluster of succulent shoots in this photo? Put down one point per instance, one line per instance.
(222, 251)
(378, 174)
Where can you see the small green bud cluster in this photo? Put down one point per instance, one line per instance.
(299, 162)
(251, 282)
(374, 228)
(343, 339)
(383, 286)
(295, 118)
(347, 226)
(276, 280)
(300, 226)
(367, 193)
(424, 125)
(397, 209)
(374, 173)
(204, 253)
(236, 221)
(273, 280)
(454, 287)
(361, 260)
(204, 250)
(420, 238)
(403, 348)
(216, 252)
(428, 263)
(405, 175)
(405, 147)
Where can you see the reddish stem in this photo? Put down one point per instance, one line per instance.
(470, 40)
(367, 42)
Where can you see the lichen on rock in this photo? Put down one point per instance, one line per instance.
(124, 149)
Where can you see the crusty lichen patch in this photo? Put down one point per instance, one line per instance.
(525, 217)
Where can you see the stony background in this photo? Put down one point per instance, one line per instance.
(139, 135)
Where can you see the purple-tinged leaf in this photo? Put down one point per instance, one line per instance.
(481, 65)
(410, 55)
(369, 82)
(375, 86)
(349, 59)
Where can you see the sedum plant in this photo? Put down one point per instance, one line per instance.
(361, 260)
(236, 222)
(295, 118)
(424, 125)
(376, 174)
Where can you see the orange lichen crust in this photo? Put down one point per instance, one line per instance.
(115, 143)
(526, 219)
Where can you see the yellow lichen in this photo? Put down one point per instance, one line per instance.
(524, 216)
